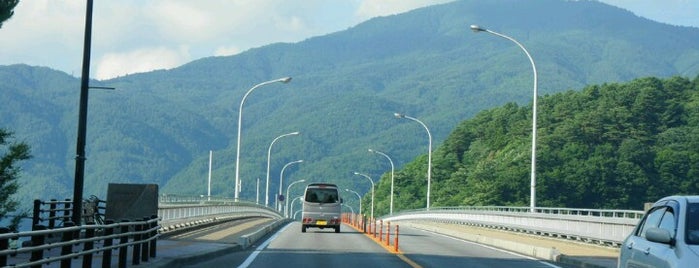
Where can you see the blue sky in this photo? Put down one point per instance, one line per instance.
(132, 36)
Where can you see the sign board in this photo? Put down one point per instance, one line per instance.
(131, 201)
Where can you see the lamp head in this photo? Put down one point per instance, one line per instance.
(356, 173)
(295, 133)
(370, 150)
(476, 28)
(285, 80)
(398, 115)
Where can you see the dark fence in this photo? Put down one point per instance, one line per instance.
(69, 243)
(54, 213)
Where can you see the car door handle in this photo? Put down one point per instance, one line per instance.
(629, 245)
(647, 251)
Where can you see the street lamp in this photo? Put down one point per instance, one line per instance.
(281, 179)
(240, 120)
(372, 191)
(429, 153)
(286, 207)
(351, 209)
(269, 154)
(392, 168)
(79, 178)
(360, 200)
(532, 202)
(292, 206)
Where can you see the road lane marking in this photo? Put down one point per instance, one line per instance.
(227, 232)
(491, 247)
(261, 247)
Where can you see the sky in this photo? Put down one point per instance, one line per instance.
(133, 36)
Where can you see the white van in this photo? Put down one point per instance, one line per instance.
(321, 207)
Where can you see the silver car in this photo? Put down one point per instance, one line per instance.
(667, 236)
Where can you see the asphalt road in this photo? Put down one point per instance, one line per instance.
(429, 249)
(324, 248)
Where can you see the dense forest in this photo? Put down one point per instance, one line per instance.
(608, 146)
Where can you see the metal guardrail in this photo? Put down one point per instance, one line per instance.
(58, 245)
(174, 212)
(607, 227)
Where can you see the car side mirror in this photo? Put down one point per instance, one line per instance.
(659, 235)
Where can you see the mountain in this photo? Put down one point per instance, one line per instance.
(158, 127)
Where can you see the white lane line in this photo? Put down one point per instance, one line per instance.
(261, 247)
(490, 247)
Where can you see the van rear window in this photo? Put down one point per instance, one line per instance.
(321, 195)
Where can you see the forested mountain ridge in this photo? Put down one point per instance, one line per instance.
(607, 146)
(158, 127)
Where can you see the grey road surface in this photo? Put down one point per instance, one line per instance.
(324, 248)
(429, 249)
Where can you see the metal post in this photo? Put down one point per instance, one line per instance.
(52, 214)
(4, 245)
(107, 254)
(37, 212)
(89, 245)
(67, 249)
(82, 120)
(123, 248)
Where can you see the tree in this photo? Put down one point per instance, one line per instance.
(11, 153)
(6, 9)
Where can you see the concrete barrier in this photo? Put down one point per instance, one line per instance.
(248, 239)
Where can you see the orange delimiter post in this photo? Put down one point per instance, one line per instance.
(395, 244)
(388, 233)
(380, 230)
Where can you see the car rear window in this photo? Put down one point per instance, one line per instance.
(321, 195)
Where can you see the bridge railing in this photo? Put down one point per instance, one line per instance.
(70, 242)
(607, 227)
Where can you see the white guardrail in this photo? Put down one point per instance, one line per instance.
(181, 212)
(607, 227)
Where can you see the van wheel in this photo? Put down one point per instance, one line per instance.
(337, 229)
(303, 229)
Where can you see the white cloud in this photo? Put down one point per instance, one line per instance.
(227, 51)
(142, 60)
(126, 32)
(374, 8)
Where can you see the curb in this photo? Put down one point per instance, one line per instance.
(243, 243)
(248, 239)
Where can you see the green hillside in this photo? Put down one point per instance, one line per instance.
(607, 146)
(158, 127)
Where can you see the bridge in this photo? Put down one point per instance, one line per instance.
(537, 236)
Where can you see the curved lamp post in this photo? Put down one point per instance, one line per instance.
(392, 169)
(240, 120)
(351, 209)
(281, 180)
(360, 200)
(269, 154)
(372, 192)
(532, 202)
(429, 153)
(286, 207)
(292, 206)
